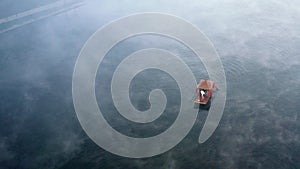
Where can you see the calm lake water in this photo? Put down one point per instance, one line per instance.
(258, 43)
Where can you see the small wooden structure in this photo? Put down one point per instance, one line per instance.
(204, 91)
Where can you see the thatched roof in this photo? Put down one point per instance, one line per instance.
(205, 84)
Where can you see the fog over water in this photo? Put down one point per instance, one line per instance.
(258, 42)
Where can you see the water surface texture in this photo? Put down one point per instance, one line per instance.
(258, 42)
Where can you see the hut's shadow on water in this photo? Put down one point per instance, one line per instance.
(202, 107)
